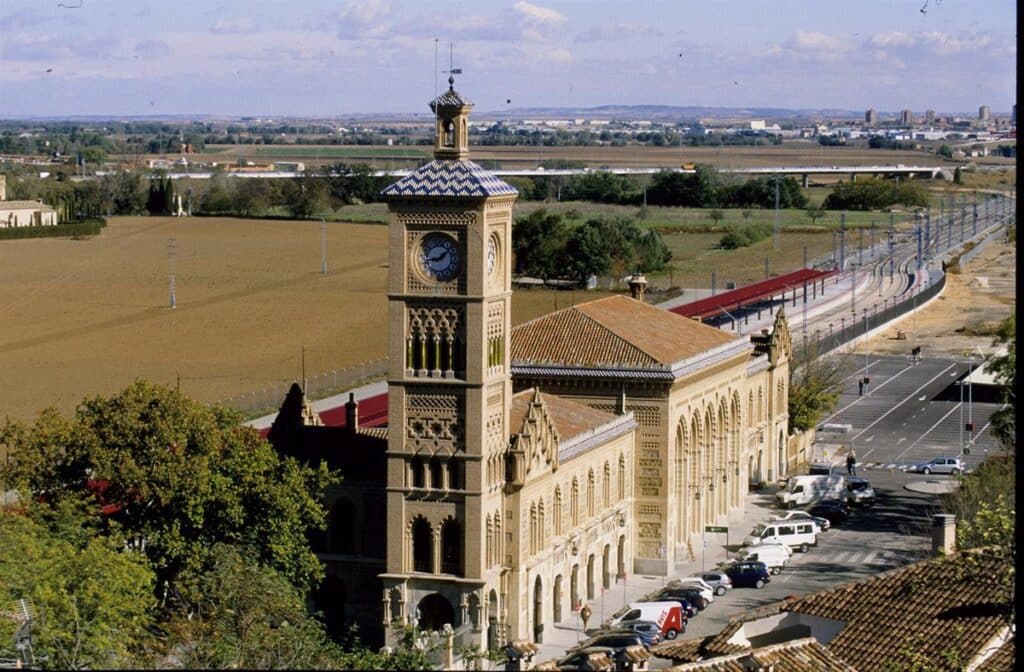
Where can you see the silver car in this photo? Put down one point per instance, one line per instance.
(940, 465)
(719, 581)
(822, 523)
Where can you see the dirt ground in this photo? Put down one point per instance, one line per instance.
(963, 317)
(84, 317)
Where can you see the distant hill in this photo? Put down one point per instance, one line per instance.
(674, 112)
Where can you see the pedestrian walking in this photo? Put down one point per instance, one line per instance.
(851, 464)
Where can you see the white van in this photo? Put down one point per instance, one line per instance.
(774, 556)
(668, 616)
(793, 533)
(806, 489)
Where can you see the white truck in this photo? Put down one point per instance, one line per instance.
(803, 490)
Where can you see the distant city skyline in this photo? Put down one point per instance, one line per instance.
(322, 58)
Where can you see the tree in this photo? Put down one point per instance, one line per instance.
(716, 215)
(92, 597)
(305, 196)
(239, 614)
(815, 382)
(586, 253)
(815, 213)
(174, 477)
(1004, 367)
(946, 151)
(537, 241)
(746, 214)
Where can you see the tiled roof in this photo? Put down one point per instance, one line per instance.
(613, 332)
(798, 655)
(1002, 659)
(450, 178)
(570, 418)
(930, 607)
(450, 98)
(25, 205)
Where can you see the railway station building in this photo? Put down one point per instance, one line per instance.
(523, 470)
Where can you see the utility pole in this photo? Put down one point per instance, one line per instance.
(842, 242)
(776, 212)
(170, 260)
(323, 246)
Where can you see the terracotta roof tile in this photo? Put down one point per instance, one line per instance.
(613, 331)
(1002, 660)
(798, 655)
(930, 607)
(569, 418)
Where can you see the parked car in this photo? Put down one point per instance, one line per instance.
(836, 514)
(774, 556)
(940, 465)
(668, 614)
(706, 591)
(689, 608)
(616, 640)
(859, 491)
(649, 631)
(797, 534)
(691, 594)
(719, 581)
(822, 523)
(576, 659)
(748, 574)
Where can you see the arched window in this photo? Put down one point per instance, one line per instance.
(574, 502)
(591, 487)
(533, 528)
(489, 542)
(436, 480)
(342, 527)
(606, 486)
(541, 542)
(622, 477)
(760, 404)
(750, 409)
(557, 513)
(454, 468)
(451, 547)
(422, 545)
(416, 466)
(499, 547)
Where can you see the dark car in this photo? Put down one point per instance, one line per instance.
(689, 609)
(613, 639)
(752, 574)
(649, 631)
(688, 593)
(832, 510)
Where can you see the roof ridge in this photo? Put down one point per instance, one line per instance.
(649, 354)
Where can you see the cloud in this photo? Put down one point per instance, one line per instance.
(153, 49)
(893, 39)
(241, 25)
(616, 32)
(814, 41)
(538, 14)
(362, 19)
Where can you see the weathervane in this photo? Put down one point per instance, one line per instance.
(452, 71)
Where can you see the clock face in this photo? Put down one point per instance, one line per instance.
(492, 255)
(440, 258)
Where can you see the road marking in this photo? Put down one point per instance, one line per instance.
(928, 431)
(871, 558)
(902, 438)
(881, 417)
(869, 439)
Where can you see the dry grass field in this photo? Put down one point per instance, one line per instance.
(82, 317)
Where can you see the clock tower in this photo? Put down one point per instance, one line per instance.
(449, 387)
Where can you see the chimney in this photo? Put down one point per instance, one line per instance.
(637, 285)
(943, 534)
(352, 413)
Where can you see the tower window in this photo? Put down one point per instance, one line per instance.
(449, 134)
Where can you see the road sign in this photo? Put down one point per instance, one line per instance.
(716, 528)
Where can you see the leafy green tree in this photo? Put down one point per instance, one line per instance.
(715, 215)
(176, 477)
(1004, 367)
(537, 241)
(815, 382)
(815, 213)
(586, 253)
(124, 193)
(946, 151)
(239, 614)
(305, 196)
(217, 198)
(93, 599)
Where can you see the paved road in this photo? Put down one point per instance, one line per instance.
(911, 412)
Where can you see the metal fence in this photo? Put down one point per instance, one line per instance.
(324, 384)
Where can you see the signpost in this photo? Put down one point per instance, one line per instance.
(717, 529)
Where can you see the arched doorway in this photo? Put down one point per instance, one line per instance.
(556, 600)
(434, 611)
(606, 569)
(590, 577)
(492, 620)
(451, 548)
(782, 455)
(574, 587)
(538, 611)
(621, 557)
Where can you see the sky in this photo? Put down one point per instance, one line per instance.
(325, 58)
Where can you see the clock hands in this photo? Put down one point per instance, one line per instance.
(439, 257)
